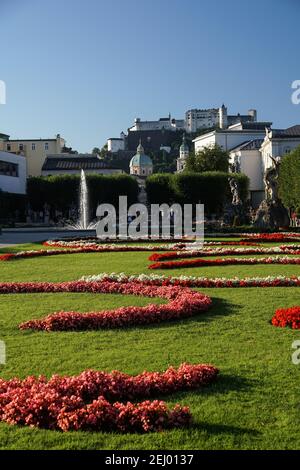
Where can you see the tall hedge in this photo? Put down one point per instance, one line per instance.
(289, 180)
(209, 188)
(61, 192)
(160, 189)
(12, 207)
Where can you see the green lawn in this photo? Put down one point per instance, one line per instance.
(255, 404)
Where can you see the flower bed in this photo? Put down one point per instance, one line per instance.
(79, 243)
(287, 317)
(183, 303)
(89, 401)
(194, 281)
(224, 262)
(224, 252)
(272, 237)
(88, 246)
(80, 249)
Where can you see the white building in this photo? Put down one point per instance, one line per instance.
(167, 123)
(278, 142)
(230, 138)
(250, 148)
(12, 173)
(243, 142)
(246, 158)
(184, 152)
(141, 164)
(114, 144)
(196, 119)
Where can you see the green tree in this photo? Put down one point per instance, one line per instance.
(289, 179)
(208, 159)
(96, 151)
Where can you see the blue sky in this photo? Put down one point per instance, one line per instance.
(87, 68)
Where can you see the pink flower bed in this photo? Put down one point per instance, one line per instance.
(94, 401)
(287, 317)
(183, 302)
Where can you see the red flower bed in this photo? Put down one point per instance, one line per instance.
(223, 262)
(89, 401)
(183, 302)
(273, 237)
(287, 317)
(224, 252)
(7, 257)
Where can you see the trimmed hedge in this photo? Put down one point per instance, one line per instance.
(12, 207)
(209, 188)
(61, 192)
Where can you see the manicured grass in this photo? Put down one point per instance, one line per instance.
(255, 402)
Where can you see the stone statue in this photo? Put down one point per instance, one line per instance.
(234, 191)
(271, 180)
(271, 213)
(236, 166)
(234, 212)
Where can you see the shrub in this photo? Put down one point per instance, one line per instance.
(209, 188)
(289, 177)
(12, 206)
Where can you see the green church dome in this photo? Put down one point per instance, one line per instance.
(141, 159)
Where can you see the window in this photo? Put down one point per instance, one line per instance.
(32, 146)
(46, 146)
(9, 169)
(8, 147)
(21, 147)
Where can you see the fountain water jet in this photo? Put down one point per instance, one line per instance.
(83, 222)
(83, 202)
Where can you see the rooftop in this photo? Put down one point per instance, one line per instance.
(293, 131)
(254, 144)
(78, 162)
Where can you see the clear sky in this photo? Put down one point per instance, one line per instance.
(87, 68)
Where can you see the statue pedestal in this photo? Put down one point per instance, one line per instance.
(272, 215)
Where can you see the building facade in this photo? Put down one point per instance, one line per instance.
(279, 142)
(34, 150)
(115, 144)
(246, 158)
(167, 123)
(230, 138)
(12, 173)
(195, 120)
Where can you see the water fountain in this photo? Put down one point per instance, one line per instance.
(83, 222)
(83, 202)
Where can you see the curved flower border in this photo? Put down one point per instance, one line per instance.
(183, 303)
(224, 262)
(89, 401)
(293, 250)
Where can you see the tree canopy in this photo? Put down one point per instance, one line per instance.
(289, 180)
(212, 158)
